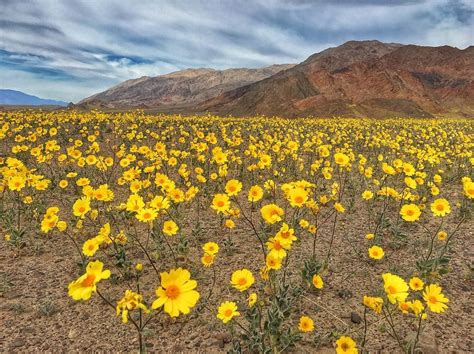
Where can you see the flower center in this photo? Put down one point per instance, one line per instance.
(228, 313)
(89, 281)
(344, 346)
(440, 207)
(81, 209)
(299, 200)
(172, 292)
(242, 281)
(220, 203)
(392, 289)
(433, 300)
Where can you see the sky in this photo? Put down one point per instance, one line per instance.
(71, 49)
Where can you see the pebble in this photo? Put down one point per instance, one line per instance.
(344, 294)
(28, 330)
(222, 339)
(72, 334)
(17, 342)
(428, 344)
(355, 318)
(194, 336)
(177, 348)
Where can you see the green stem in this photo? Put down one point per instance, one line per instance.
(417, 333)
(390, 322)
(332, 240)
(365, 329)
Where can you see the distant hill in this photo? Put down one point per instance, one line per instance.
(356, 79)
(185, 88)
(18, 98)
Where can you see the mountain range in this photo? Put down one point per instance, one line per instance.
(18, 98)
(184, 89)
(356, 79)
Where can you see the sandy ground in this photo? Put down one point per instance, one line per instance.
(36, 313)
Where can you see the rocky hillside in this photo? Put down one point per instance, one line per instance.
(183, 89)
(366, 78)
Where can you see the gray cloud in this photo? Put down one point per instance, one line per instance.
(70, 49)
(33, 29)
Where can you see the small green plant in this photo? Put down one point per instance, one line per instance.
(47, 307)
(5, 284)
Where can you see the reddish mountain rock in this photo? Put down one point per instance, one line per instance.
(359, 79)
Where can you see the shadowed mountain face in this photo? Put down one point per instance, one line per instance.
(357, 79)
(183, 89)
